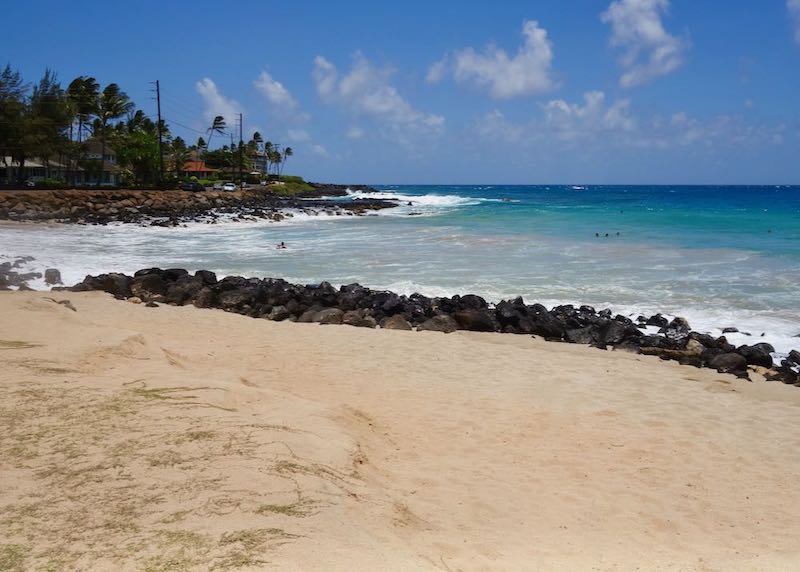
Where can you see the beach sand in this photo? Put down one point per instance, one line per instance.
(173, 438)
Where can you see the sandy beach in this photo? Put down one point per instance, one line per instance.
(174, 438)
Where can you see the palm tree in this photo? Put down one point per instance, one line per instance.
(84, 95)
(217, 126)
(269, 147)
(113, 104)
(275, 157)
(286, 154)
(180, 154)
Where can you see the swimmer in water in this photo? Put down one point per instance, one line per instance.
(281, 245)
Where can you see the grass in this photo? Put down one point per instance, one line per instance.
(296, 509)
(290, 186)
(12, 557)
(16, 345)
(109, 469)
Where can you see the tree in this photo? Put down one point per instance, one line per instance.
(286, 154)
(269, 147)
(180, 154)
(275, 157)
(217, 126)
(113, 104)
(12, 115)
(50, 115)
(136, 144)
(84, 93)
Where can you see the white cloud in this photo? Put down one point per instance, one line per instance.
(355, 132)
(320, 150)
(298, 135)
(325, 76)
(571, 121)
(495, 127)
(366, 90)
(214, 103)
(794, 15)
(526, 73)
(595, 123)
(649, 51)
(437, 71)
(274, 91)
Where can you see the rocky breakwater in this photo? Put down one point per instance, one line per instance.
(170, 208)
(355, 305)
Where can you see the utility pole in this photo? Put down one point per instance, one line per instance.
(160, 142)
(241, 151)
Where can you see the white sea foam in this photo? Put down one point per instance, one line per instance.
(432, 200)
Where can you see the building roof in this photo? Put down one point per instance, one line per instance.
(197, 167)
(30, 163)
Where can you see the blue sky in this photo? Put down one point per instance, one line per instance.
(584, 91)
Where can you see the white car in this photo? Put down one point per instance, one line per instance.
(229, 187)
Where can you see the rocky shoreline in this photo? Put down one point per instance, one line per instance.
(172, 208)
(355, 305)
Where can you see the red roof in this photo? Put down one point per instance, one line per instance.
(197, 167)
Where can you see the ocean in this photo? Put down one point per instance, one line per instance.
(720, 256)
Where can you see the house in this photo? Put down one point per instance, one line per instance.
(198, 169)
(259, 161)
(35, 169)
(92, 174)
(87, 171)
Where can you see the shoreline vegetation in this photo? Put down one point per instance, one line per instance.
(355, 305)
(134, 438)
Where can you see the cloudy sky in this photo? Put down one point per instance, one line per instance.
(551, 91)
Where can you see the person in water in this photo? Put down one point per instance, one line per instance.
(281, 245)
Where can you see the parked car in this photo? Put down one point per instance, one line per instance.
(217, 186)
(229, 187)
(193, 186)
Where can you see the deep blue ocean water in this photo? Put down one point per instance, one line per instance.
(719, 255)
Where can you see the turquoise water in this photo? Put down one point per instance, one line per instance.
(720, 256)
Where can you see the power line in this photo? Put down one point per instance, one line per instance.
(172, 121)
(160, 143)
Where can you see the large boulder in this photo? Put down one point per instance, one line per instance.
(470, 302)
(352, 296)
(52, 276)
(657, 320)
(183, 290)
(359, 318)
(146, 285)
(207, 277)
(396, 322)
(616, 331)
(440, 323)
(118, 285)
(476, 320)
(755, 356)
(205, 298)
(307, 316)
(547, 326)
(729, 363)
(585, 336)
(328, 316)
(278, 314)
(508, 314)
(691, 355)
